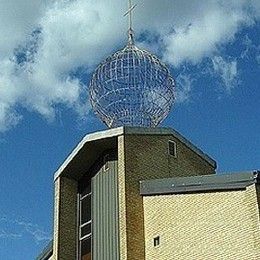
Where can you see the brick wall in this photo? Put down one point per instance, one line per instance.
(122, 199)
(146, 157)
(139, 157)
(65, 219)
(214, 225)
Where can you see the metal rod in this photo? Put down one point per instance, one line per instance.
(130, 21)
(130, 14)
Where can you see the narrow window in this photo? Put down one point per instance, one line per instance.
(156, 241)
(85, 223)
(172, 149)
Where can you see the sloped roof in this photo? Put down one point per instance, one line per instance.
(108, 138)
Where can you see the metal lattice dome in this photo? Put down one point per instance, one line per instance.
(132, 87)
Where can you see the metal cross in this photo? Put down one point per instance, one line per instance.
(130, 15)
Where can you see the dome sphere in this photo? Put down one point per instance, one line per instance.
(132, 88)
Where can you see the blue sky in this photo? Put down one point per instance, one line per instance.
(48, 51)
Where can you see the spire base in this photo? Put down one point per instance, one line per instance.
(131, 40)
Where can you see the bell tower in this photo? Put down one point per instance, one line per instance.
(98, 209)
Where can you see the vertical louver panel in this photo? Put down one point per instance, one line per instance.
(105, 213)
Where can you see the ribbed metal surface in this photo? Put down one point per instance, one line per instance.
(105, 229)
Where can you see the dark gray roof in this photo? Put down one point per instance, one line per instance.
(47, 252)
(199, 183)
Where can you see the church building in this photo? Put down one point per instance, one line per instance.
(147, 194)
(137, 191)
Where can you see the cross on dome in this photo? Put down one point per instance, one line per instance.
(129, 13)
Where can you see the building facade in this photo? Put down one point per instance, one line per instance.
(135, 193)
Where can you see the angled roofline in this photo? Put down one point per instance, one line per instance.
(88, 138)
(202, 183)
(46, 252)
(127, 130)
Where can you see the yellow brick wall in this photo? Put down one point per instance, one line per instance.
(57, 185)
(258, 195)
(199, 226)
(121, 199)
(146, 157)
(149, 154)
(65, 219)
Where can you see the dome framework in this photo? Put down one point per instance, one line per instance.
(132, 87)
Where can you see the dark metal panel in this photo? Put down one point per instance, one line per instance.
(105, 217)
(198, 183)
(186, 189)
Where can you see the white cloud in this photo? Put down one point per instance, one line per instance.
(16, 229)
(8, 117)
(9, 235)
(227, 70)
(18, 20)
(251, 50)
(216, 24)
(53, 38)
(34, 230)
(184, 83)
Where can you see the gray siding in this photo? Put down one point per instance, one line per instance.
(105, 229)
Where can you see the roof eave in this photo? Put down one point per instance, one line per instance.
(203, 183)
